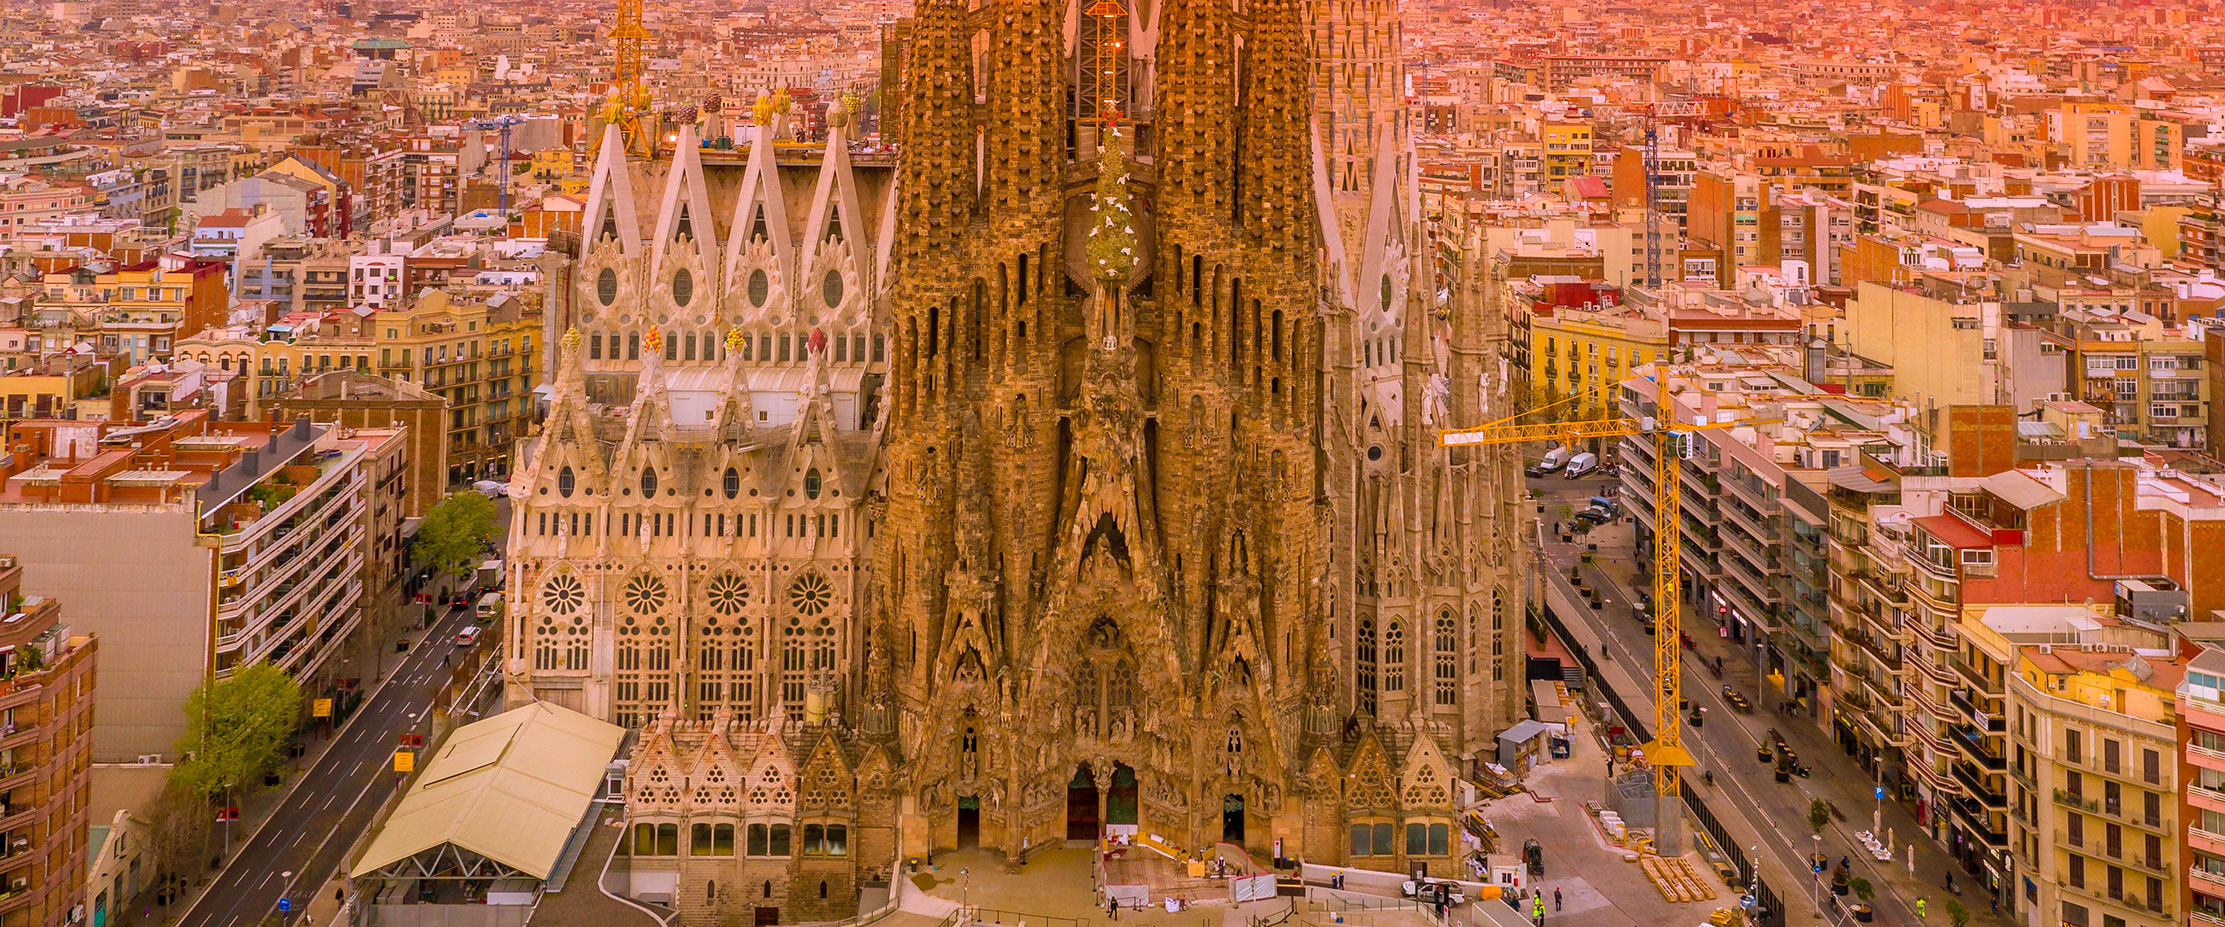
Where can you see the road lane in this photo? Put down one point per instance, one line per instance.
(299, 845)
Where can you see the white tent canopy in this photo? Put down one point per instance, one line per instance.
(510, 788)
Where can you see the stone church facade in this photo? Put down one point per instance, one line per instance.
(1056, 478)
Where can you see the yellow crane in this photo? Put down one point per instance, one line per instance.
(629, 90)
(1670, 443)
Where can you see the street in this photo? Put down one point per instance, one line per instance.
(331, 803)
(1725, 743)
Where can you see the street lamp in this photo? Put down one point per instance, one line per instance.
(965, 888)
(1816, 874)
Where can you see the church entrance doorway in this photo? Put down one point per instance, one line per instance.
(1232, 819)
(1120, 805)
(1081, 805)
(969, 821)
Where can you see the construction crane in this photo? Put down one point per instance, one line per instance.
(501, 124)
(629, 90)
(1672, 442)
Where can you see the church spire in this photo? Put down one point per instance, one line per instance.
(1196, 106)
(935, 177)
(1274, 173)
(1026, 129)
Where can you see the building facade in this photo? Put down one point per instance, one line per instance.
(991, 514)
(46, 712)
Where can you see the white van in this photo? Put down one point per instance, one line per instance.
(1552, 461)
(1582, 464)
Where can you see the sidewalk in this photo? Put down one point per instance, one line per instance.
(1837, 778)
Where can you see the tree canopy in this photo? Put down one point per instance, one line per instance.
(237, 728)
(455, 534)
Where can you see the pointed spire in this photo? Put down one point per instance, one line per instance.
(935, 177)
(1196, 105)
(1277, 186)
(686, 207)
(611, 206)
(1027, 122)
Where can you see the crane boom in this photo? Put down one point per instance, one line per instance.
(1666, 752)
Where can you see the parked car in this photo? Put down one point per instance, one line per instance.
(1582, 464)
(1430, 889)
(1553, 461)
(490, 489)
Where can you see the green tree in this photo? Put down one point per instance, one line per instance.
(455, 534)
(236, 729)
(1862, 888)
(1819, 816)
(1957, 915)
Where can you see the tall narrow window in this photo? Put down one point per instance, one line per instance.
(1448, 665)
(1364, 662)
(1394, 658)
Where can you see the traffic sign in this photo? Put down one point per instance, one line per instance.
(285, 905)
(321, 708)
(1880, 793)
(404, 761)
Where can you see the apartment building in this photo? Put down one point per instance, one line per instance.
(46, 714)
(192, 546)
(2201, 770)
(2148, 378)
(1868, 609)
(2117, 135)
(1757, 523)
(1586, 335)
(2093, 732)
(262, 368)
(477, 353)
(1568, 152)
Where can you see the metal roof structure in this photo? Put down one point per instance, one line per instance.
(508, 791)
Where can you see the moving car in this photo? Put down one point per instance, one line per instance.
(491, 489)
(1582, 464)
(469, 636)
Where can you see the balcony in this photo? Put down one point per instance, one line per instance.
(1878, 653)
(1882, 729)
(1974, 818)
(2205, 880)
(1975, 784)
(1977, 680)
(1974, 746)
(1972, 711)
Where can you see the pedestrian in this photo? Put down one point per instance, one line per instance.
(1556, 898)
(1537, 908)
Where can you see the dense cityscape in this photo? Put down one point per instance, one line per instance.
(937, 463)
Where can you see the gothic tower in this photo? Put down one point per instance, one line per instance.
(1130, 519)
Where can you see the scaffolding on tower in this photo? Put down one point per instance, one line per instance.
(629, 91)
(1108, 72)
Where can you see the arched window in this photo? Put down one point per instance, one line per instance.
(564, 482)
(733, 482)
(811, 483)
(1394, 658)
(1364, 660)
(1448, 665)
(648, 482)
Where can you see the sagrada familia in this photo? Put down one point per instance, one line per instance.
(1072, 471)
